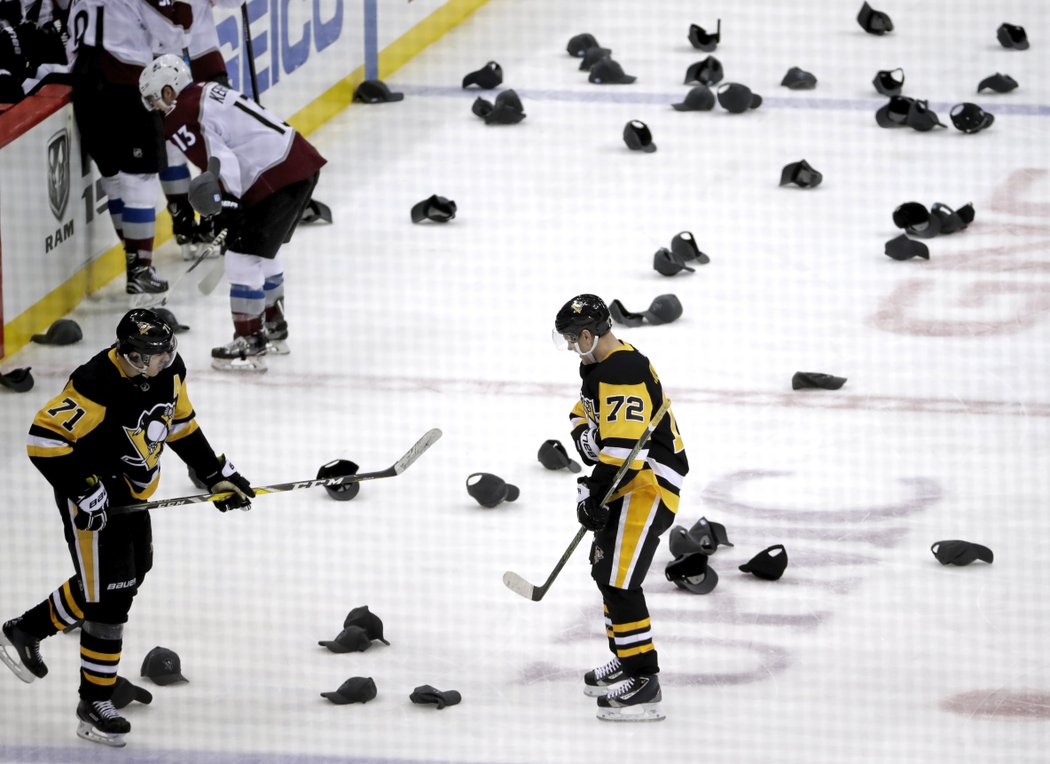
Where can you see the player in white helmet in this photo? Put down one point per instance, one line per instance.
(267, 173)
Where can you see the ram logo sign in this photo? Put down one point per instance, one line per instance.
(58, 172)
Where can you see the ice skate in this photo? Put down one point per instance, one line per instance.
(144, 286)
(100, 723)
(20, 652)
(596, 683)
(243, 354)
(636, 700)
(277, 337)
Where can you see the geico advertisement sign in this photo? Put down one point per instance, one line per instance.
(45, 211)
(294, 45)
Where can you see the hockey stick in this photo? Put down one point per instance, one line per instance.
(212, 278)
(249, 50)
(207, 250)
(519, 585)
(402, 464)
(145, 300)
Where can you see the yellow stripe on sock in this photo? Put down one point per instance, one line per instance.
(85, 652)
(54, 618)
(103, 681)
(646, 648)
(620, 628)
(71, 603)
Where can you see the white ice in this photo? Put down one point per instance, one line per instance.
(867, 650)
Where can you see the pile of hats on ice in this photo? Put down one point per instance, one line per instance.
(361, 628)
(691, 549)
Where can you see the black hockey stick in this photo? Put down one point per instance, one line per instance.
(249, 51)
(519, 585)
(314, 210)
(402, 464)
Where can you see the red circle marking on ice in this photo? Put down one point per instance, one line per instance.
(1017, 704)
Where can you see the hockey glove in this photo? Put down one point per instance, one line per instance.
(228, 218)
(592, 515)
(227, 478)
(587, 444)
(91, 506)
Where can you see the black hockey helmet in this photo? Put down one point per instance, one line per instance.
(144, 332)
(584, 311)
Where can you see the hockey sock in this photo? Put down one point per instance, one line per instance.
(114, 203)
(139, 214)
(630, 630)
(61, 610)
(609, 629)
(175, 181)
(247, 306)
(274, 291)
(99, 658)
(139, 226)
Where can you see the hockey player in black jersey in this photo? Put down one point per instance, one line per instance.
(99, 443)
(619, 395)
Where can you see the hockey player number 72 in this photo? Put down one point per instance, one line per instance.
(634, 409)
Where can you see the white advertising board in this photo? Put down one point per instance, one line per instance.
(53, 218)
(49, 212)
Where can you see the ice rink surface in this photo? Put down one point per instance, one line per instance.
(867, 650)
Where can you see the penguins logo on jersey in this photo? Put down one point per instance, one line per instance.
(589, 410)
(148, 436)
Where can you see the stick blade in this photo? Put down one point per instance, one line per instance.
(521, 587)
(430, 438)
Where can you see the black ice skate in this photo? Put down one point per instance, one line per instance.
(596, 683)
(277, 337)
(144, 285)
(20, 652)
(243, 354)
(636, 700)
(100, 723)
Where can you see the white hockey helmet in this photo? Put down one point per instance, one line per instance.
(168, 69)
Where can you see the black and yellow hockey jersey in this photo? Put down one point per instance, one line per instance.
(618, 398)
(108, 424)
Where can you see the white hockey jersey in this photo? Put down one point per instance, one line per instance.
(259, 152)
(125, 33)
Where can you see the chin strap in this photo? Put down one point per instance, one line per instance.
(587, 357)
(140, 369)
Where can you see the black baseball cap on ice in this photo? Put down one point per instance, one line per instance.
(609, 72)
(163, 666)
(699, 98)
(356, 689)
(768, 564)
(375, 91)
(959, 552)
(487, 77)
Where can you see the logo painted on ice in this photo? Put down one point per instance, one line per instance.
(58, 172)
